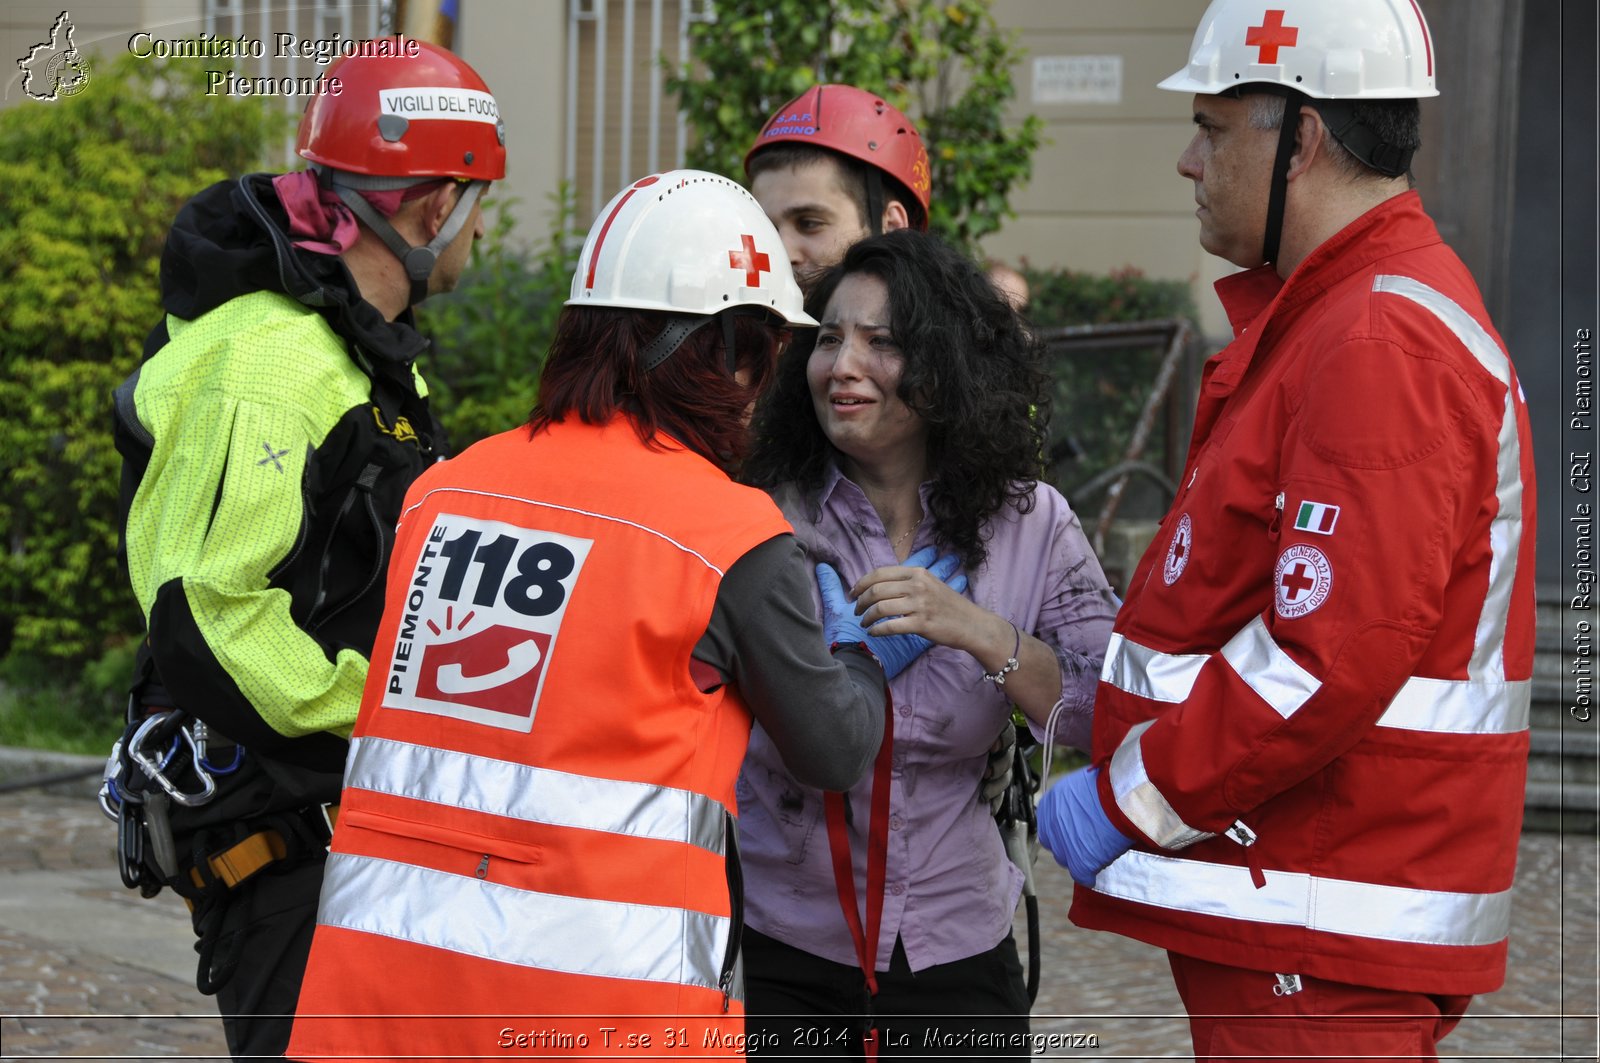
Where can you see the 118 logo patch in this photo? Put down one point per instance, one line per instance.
(482, 615)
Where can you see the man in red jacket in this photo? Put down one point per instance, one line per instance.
(1311, 736)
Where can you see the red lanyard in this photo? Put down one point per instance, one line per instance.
(877, 864)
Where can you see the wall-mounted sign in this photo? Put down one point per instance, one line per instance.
(1077, 79)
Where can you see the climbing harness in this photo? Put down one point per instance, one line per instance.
(162, 766)
(137, 791)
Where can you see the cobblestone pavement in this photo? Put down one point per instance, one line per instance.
(72, 986)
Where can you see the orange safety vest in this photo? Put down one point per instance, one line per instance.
(535, 851)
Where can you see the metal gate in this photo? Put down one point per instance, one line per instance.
(621, 122)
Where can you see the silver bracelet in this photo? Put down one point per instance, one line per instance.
(1011, 665)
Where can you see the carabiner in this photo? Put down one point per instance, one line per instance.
(203, 754)
(130, 847)
(110, 796)
(153, 769)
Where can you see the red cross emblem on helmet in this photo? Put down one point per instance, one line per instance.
(1325, 49)
(1271, 35)
(753, 262)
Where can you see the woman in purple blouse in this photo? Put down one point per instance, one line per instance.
(911, 428)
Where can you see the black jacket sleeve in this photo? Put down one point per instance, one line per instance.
(824, 712)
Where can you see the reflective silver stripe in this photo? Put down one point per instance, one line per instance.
(1505, 531)
(1148, 673)
(573, 935)
(1139, 799)
(1460, 707)
(1444, 706)
(537, 795)
(1270, 672)
(1447, 310)
(1170, 677)
(1337, 906)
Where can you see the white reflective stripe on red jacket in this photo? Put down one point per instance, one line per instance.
(535, 795)
(1338, 906)
(574, 935)
(1440, 706)
(1469, 707)
(1443, 706)
(1505, 531)
(1141, 802)
(1147, 673)
(1270, 672)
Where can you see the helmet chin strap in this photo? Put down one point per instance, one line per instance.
(730, 353)
(1288, 134)
(417, 260)
(680, 327)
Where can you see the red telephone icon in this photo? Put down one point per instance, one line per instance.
(496, 669)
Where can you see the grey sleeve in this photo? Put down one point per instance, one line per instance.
(823, 711)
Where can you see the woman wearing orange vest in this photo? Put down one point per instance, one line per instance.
(535, 853)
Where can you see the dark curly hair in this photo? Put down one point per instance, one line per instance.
(973, 373)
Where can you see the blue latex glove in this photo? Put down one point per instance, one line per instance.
(943, 569)
(1076, 829)
(894, 652)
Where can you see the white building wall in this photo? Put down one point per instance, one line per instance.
(1105, 192)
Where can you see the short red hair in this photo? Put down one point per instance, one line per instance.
(593, 370)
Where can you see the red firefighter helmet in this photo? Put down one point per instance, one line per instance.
(396, 115)
(859, 124)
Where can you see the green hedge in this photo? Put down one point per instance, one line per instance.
(89, 185)
(946, 63)
(490, 335)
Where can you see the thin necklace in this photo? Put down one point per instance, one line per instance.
(903, 536)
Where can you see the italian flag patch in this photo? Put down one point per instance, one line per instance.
(1317, 517)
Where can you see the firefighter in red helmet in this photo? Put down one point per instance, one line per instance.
(268, 440)
(401, 124)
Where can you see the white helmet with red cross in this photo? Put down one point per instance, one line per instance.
(687, 242)
(1349, 49)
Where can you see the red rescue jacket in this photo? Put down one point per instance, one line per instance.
(1313, 714)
